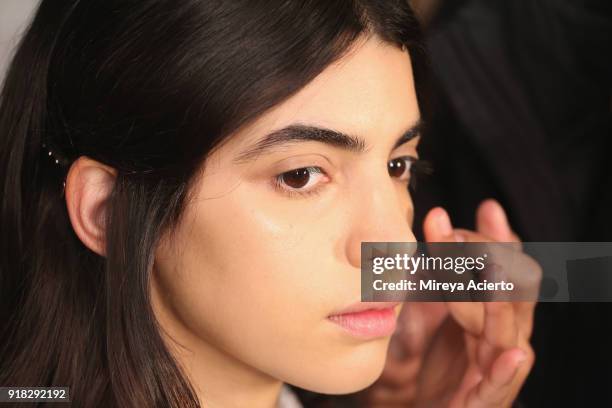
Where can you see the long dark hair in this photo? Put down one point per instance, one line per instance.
(149, 88)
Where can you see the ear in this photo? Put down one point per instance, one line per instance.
(88, 186)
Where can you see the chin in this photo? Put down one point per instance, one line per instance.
(348, 372)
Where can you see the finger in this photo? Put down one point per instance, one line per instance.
(464, 235)
(419, 319)
(526, 275)
(397, 374)
(437, 226)
(497, 388)
(469, 315)
(500, 332)
(524, 272)
(525, 313)
(491, 220)
(409, 337)
(416, 325)
(500, 326)
(432, 314)
(382, 396)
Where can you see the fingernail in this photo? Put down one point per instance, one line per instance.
(444, 225)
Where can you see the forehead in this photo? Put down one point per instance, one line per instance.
(368, 92)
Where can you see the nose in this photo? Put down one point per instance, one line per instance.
(383, 213)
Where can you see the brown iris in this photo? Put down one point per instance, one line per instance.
(297, 178)
(397, 167)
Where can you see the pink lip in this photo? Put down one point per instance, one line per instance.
(367, 320)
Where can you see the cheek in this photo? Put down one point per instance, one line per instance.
(261, 269)
(256, 266)
(405, 197)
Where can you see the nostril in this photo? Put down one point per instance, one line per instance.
(376, 252)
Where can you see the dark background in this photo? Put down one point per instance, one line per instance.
(522, 113)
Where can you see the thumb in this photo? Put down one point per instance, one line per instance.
(437, 226)
(491, 221)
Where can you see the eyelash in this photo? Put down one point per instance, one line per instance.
(293, 193)
(418, 168)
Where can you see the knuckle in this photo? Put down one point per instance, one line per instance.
(530, 356)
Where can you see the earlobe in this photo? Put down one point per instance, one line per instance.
(88, 186)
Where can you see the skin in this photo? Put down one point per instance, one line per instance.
(244, 285)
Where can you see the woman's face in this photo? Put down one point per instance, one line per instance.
(261, 260)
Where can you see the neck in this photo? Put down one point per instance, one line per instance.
(223, 381)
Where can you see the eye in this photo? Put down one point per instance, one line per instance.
(400, 167)
(409, 168)
(302, 181)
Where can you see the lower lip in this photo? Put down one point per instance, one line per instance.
(368, 324)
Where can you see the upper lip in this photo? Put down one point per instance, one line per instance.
(362, 306)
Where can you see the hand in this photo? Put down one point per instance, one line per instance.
(460, 354)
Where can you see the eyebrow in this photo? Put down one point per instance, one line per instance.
(306, 133)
